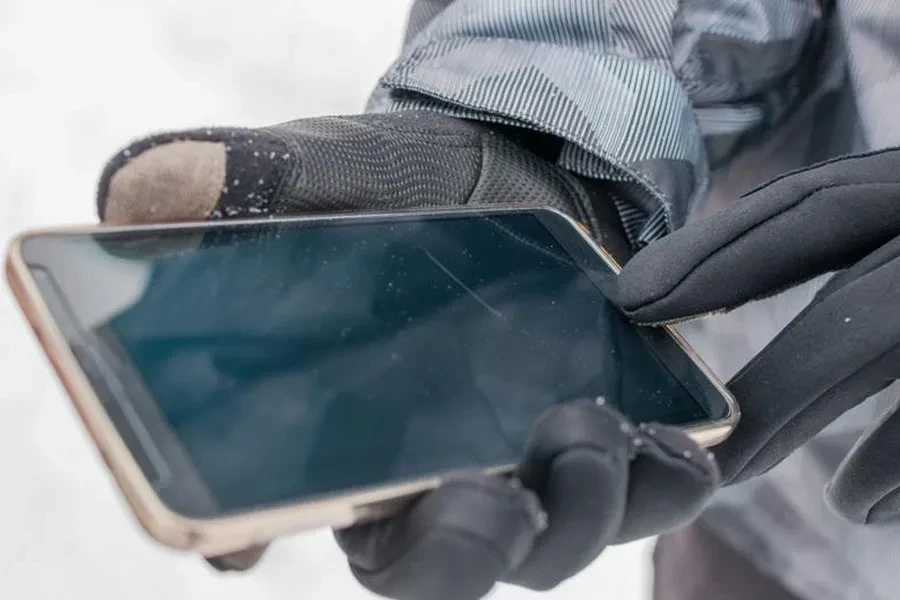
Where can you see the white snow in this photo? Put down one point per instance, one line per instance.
(77, 81)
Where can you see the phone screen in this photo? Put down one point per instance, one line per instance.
(254, 365)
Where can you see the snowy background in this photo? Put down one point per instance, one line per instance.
(78, 79)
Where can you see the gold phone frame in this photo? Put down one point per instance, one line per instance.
(218, 536)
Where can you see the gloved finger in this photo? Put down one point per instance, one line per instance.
(791, 230)
(313, 165)
(187, 176)
(454, 543)
(667, 459)
(329, 164)
(600, 480)
(243, 560)
(577, 462)
(866, 486)
(830, 358)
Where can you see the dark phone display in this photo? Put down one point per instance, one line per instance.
(296, 361)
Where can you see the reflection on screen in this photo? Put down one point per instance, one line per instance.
(297, 361)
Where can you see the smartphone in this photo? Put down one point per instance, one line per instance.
(248, 379)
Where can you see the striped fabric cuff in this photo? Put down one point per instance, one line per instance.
(622, 119)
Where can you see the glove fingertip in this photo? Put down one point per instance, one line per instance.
(667, 460)
(194, 175)
(655, 286)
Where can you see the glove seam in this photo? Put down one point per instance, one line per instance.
(294, 157)
(740, 237)
(425, 134)
(553, 172)
(813, 167)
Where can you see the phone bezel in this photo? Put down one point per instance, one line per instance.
(221, 535)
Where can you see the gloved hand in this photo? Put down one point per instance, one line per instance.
(843, 216)
(588, 479)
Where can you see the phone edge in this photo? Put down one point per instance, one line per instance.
(707, 434)
(208, 537)
(213, 537)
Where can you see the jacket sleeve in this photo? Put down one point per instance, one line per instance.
(646, 93)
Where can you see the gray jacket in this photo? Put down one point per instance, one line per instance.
(686, 105)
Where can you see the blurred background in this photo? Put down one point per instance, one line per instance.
(78, 80)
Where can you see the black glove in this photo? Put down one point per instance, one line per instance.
(588, 479)
(844, 216)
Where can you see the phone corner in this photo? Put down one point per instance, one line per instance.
(169, 528)
(713, 434)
